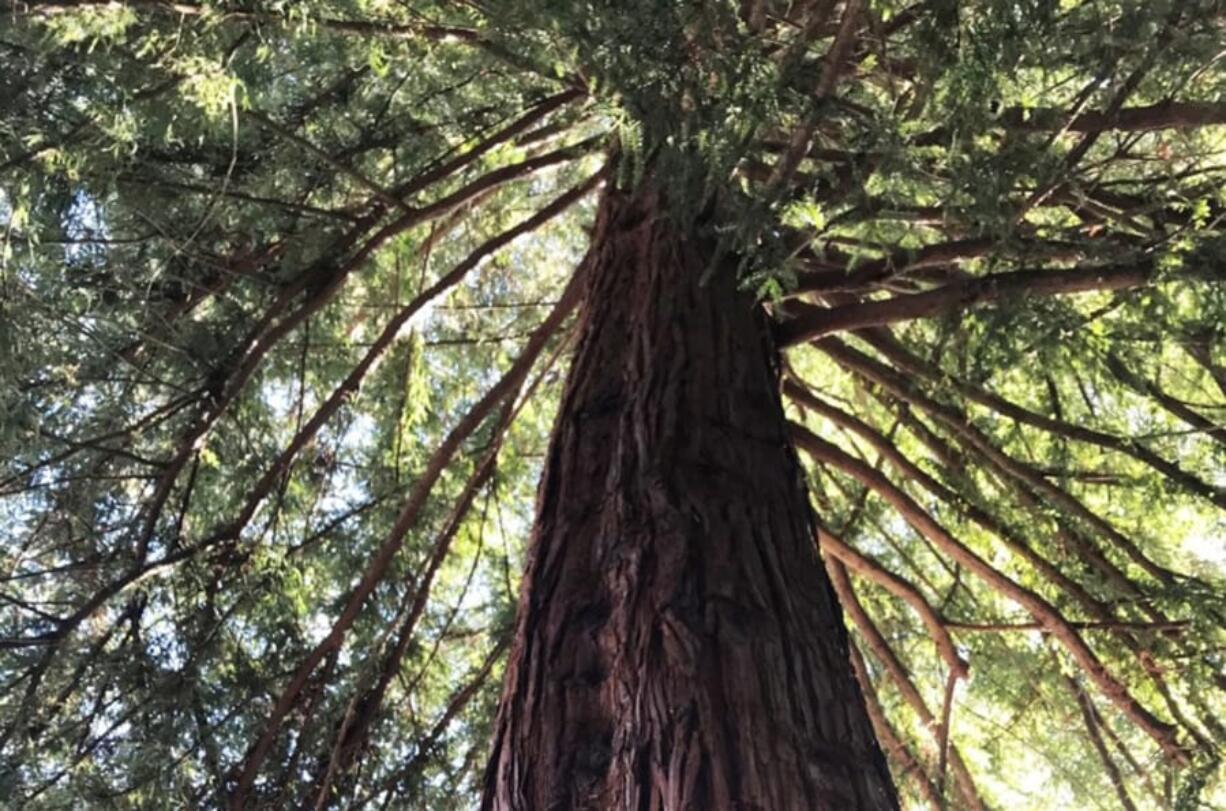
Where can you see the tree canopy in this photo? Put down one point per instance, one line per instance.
(284, 304)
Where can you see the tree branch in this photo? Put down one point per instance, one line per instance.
(871, 570)
(379, 564)
(913, 365)
(1009, 536)
(899, 674)
(809, 322)
(960, 425)
(1161, 116)
(1044, 612)
(908, 765)
(1089, 716)
(1103, 625)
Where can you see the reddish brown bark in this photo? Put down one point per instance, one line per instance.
(678, 645)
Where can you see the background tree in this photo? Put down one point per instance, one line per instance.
(283, 324)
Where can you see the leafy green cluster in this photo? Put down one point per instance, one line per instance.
(210, 214)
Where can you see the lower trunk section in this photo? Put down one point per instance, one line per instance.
(678, 645)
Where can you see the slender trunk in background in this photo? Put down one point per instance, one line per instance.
(678, 645)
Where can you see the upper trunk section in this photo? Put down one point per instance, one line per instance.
(678, 645)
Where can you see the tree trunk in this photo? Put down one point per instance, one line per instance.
(678, 645)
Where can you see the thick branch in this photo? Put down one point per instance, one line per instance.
(913, 365)
(844, 276)
(424, 749)
(1165, 115)
(1175, 407)
(1199, 348)
(1100, 611)
(1044, 612)
(1102, 625)
(1090, 716)
(261, 489)
(894, 746)
(353, 732)
(810, 322)
(960, 425)
(869, 569)
(898, 672)
(1009, 536)
(377, 568)
(510, 131)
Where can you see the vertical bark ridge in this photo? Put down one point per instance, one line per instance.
(678, 645)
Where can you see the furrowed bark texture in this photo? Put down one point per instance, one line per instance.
(678, 645)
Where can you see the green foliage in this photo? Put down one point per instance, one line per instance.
(207, 222)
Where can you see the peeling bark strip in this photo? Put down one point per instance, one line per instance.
(678, 645)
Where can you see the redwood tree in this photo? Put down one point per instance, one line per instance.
(292, 294)
(678, 645)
